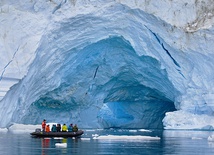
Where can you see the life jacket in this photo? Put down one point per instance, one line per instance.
(53, 129)
(75, 128)
(70, 128)
(58, 128)
(64, 128)
(47, 129)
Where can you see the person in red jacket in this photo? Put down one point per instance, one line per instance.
(43, 125)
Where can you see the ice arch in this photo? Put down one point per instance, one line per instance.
(106, 84)
(120, 78)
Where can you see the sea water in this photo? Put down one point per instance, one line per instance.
(111, 141)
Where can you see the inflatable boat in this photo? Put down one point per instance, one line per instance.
(39, 133)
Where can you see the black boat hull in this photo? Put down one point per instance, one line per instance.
(57, 134)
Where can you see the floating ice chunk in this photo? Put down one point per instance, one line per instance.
(58, 137)
(61, 145)
(100, 129)
(95, 135)
(211, 138)
(23, 128)
(125, 137)
(185, 120)
(196, 138)
(144, 130)
(85, 138)
(3, 130)
(89, 130)
(132, 130)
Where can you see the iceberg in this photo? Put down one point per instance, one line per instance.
(107, 63)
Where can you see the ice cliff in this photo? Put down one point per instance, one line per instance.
(108, 63)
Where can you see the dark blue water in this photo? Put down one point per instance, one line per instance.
(171, 142)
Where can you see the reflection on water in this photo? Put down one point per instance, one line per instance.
(45, 144)
(187, 142)
(172, 142)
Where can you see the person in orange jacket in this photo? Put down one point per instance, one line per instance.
(47, 129)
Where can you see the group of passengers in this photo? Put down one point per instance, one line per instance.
(58, 128)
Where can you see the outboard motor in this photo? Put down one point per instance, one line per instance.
(38, 130)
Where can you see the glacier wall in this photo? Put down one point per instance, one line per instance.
(128, 64)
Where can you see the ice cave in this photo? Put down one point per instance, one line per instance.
(107, 64)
